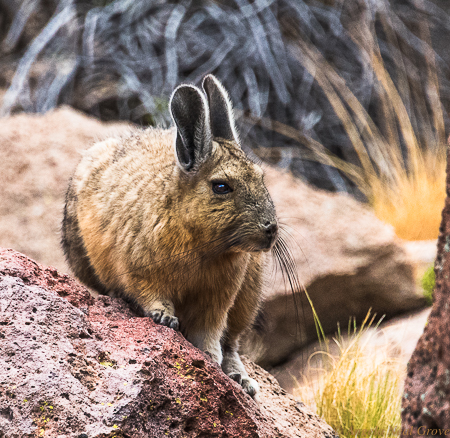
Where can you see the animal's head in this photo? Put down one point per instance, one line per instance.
(223, 197)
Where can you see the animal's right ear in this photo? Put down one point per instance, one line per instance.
(220, 110)
(189, 110)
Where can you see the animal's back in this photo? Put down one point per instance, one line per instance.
(106, 195)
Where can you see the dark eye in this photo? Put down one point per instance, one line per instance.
(221, 188)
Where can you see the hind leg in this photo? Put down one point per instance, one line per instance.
(209, 342)
(74, 247)
(234, 368)
(240, 317)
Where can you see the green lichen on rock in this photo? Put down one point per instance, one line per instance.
(428, 282)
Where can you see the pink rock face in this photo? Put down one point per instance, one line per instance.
(426, 398)
(75, 366)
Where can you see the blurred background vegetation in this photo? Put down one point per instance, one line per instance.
(351, 96)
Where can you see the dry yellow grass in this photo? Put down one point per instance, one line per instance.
(357, 391)
(405, 186)
(414, 205)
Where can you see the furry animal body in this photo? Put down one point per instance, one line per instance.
(180, 222)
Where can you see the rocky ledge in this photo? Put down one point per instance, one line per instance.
(75, 366)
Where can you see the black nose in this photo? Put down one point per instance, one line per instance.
(271, 230)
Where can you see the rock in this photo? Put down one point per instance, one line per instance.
(73, 366)
(348, 260)
(38, 155)
(423, 252)
(426, 398)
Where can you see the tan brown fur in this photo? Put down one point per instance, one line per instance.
(139, 225)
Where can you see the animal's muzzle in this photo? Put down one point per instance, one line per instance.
(271, 232)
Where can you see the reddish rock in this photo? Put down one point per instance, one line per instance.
(33, 273)
(426, 398)
(75, 366)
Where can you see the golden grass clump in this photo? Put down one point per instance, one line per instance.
(358, 390)
(414, 205)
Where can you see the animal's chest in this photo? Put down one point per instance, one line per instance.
(213, 283)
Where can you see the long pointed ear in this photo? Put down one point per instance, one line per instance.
(189, 110)
(220, 110)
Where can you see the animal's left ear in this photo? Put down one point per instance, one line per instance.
(193, 144)
(220, 110)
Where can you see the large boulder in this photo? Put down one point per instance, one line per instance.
(38, 154)
(75, 366)
(426, 398)
(348, 260)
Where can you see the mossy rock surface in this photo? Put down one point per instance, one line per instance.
(428, 282)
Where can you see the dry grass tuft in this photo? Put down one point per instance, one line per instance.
(357, 391)
(414, 204)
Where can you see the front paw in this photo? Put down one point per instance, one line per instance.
(159, 317)
(250, 386)
(237, 377)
